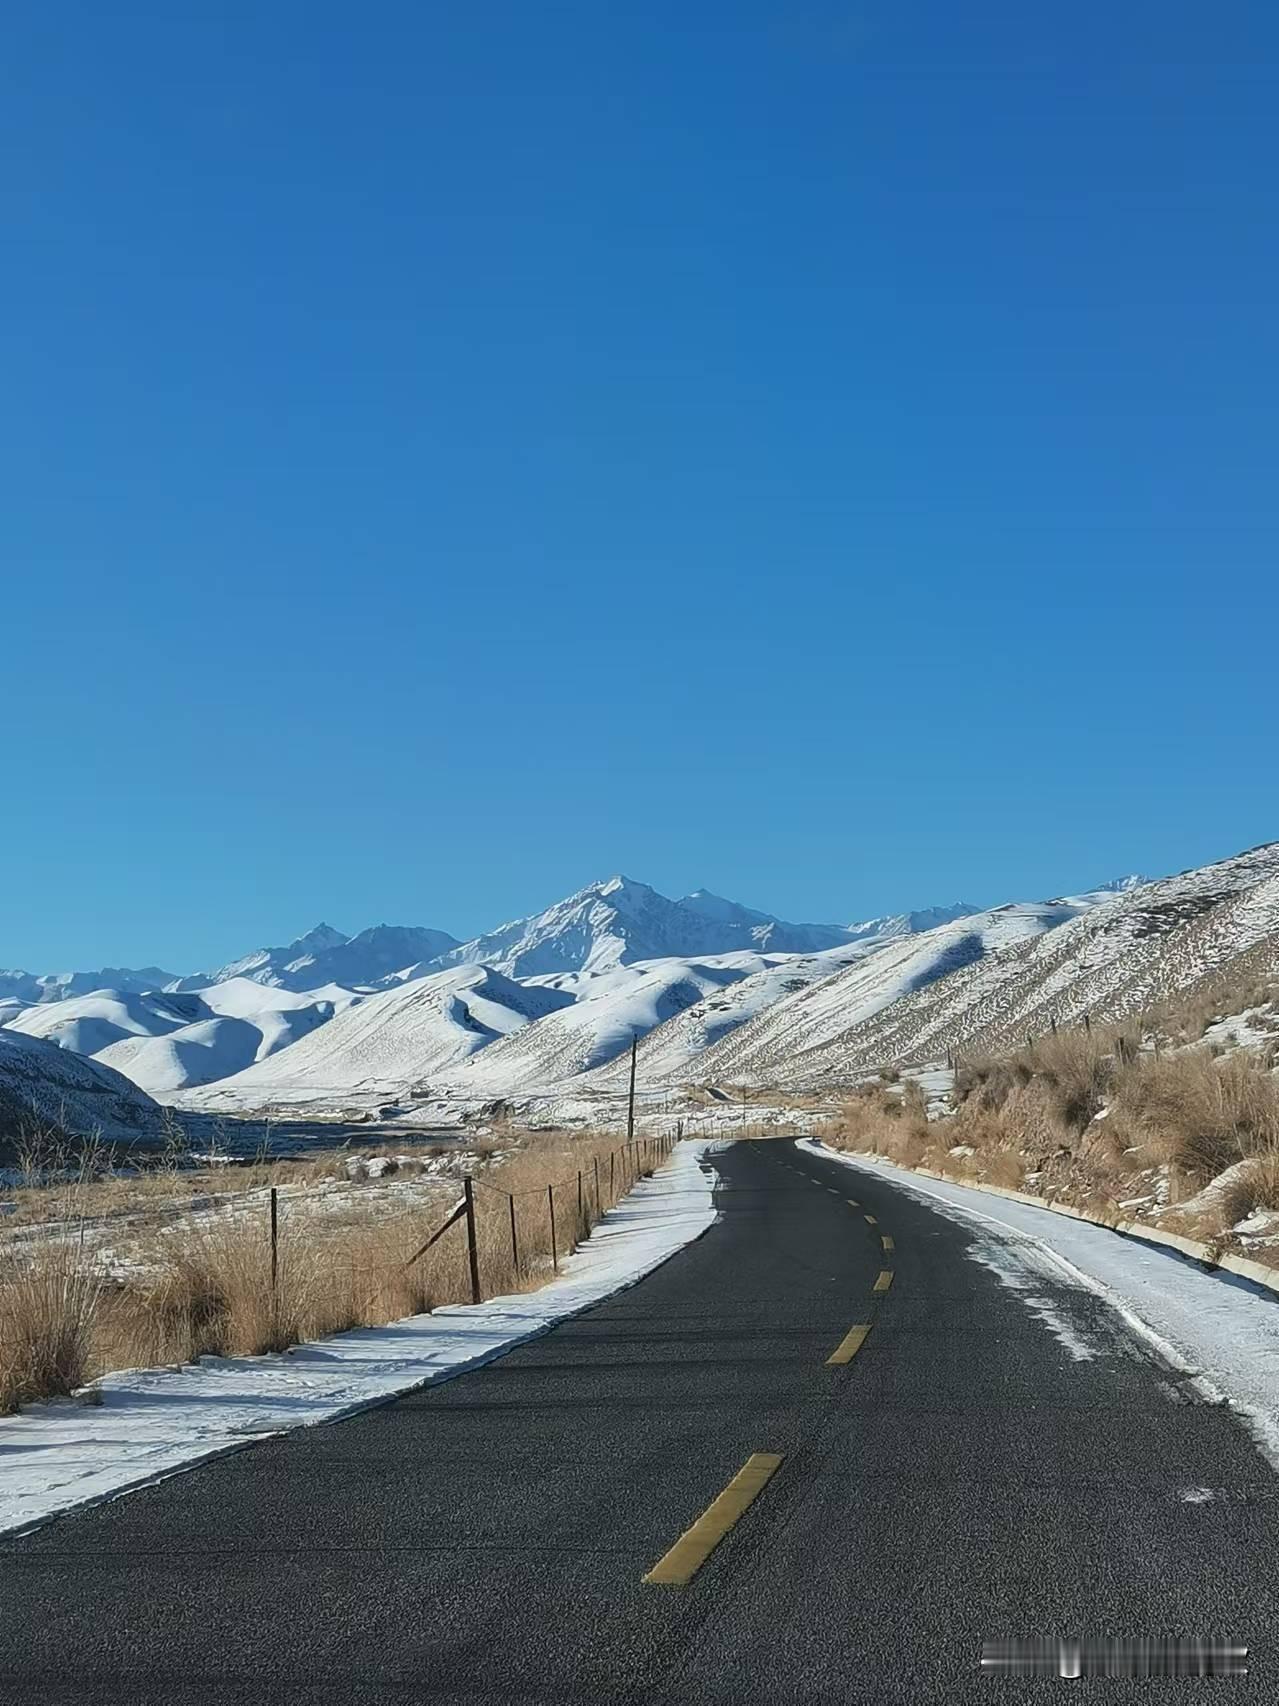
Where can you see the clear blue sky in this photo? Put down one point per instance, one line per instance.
(823, 452)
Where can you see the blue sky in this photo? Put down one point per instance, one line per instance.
(822, 452)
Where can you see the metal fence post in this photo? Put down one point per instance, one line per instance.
(550, 1197)
(515, 1244)
(275, 1244)
(473, 1250)
(579, 1202)
(599, 1206)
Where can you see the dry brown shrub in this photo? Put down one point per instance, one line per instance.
(1200, 1114)
(49, 1295)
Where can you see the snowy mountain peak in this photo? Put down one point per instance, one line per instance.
(616, 884)
(1122, 885)
(316, 941)
(910, 923)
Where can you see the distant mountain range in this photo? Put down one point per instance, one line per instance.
(614, 922)
(546, 1007)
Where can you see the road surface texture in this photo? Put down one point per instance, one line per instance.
(963, 1475)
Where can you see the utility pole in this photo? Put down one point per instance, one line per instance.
(630, 1106)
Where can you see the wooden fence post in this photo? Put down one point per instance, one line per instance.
(473, 1249)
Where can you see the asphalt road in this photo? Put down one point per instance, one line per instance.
(963, 1477)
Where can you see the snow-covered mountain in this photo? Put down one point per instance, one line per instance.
(716, 992)
(49, 1092)
(325, 956)
(26, 989)
(897, 924)
(621, 922)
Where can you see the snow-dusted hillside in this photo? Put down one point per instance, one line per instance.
(1120, 956)
(391, 1041)
(816, 1016)
(669, 1053)
(170, 1041)
(611, 1007)
(48, 1091)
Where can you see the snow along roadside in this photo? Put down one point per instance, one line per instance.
(60, 1456)
(1221, 1330)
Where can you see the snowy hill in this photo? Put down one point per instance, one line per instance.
(817, 1016)
(392, 1040)
(610, 1008)
(670, 1053)
(45, 1090)
(1130, 948)
(169, 1041)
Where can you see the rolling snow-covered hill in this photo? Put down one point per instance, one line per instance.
(170, 1041)
(611, 1007)
(391, 1041)
(46, 1091)
(816, 1016)
(1121, 956)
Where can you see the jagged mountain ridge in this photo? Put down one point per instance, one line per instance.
(622, 922)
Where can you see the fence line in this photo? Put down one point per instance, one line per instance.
(642, 1155)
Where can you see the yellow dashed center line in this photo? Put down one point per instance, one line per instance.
(886, 1241)
(853, 1203)
(848, 1347)
(871, 1221)
(696, 1544)
(884, 1281)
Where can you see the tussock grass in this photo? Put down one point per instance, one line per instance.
(1198, 1113)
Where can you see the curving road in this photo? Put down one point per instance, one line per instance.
(994, 1456)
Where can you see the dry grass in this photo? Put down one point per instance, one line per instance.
(203, 1285)
(1197, 1113)
(1100, 1118)
(48, 1309)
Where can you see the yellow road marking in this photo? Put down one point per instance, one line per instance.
(884, 1281)
(871, 1221)
(886, 1241)
(848, 1347)
(696, 1544)
(832, 1190)
(853, 1203)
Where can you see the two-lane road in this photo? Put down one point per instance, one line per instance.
(820, 1455)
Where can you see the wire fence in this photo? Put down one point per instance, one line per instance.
(531, 1220)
